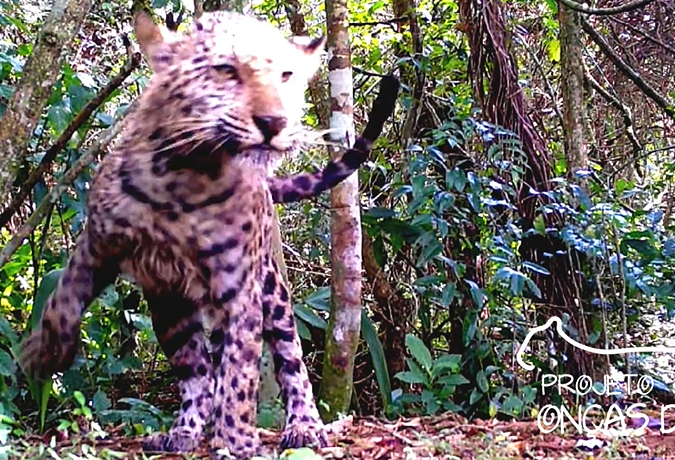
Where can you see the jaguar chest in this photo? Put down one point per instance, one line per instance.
(174, 219)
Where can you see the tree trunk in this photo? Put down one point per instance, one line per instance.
(572, 87)
(345, 316)
(41, 71)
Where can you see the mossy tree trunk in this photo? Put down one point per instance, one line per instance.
(345, 316)
(40, 73)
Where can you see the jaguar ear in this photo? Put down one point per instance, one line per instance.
(312, 48)
(154, 40)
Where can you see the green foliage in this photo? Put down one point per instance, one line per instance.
(439, 378)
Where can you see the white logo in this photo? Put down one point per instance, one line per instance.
(551, 417)
(571, 341)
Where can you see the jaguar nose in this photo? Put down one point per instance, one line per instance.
(269, 126)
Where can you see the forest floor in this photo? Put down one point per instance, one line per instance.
(439, 437)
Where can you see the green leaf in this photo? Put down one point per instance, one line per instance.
(539, 224)
(79, 397)
(380, 213)
(482, 382)
(411, 377)
(319, 299)
(477, 294)
(454, 380)
(446, 362)
(513, 405)
(7, 365)
(7, 331)
(553, 48)
(369, 334)
(59, 117)
(309, 316)
(536, 268)
(47, 286)
(100, 401)
(303, 331)
(449, 293)
(419, 351)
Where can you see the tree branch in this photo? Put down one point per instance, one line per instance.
(377, 23)
(620, 106)
(75, 124)
(638, 31)
(68, 177)
(581, 8)
(41, 71)
(628, 71)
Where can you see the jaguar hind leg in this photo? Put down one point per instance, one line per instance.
(179, 329)
(304, 427)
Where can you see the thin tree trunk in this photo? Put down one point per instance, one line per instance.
(572, 87)
(41, 71)
(345, 316)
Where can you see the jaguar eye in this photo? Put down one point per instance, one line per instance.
(226, 69)
(286, 76)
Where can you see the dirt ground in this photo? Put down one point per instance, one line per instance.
(441, 437)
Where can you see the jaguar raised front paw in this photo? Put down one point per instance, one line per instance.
(304, 434)
(173, 441)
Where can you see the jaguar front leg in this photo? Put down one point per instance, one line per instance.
(236, 340)
(179, 329)
(303, 423)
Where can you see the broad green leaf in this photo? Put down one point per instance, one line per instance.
(7, 331)
(482, 382)
(454, 380)
(379, 213)
(419, 351)
(319, 299)
(536, 268)
(553, 48)
(309, 316)
(7, 365)
(47, 286)
(369, 334)
(79, 397)
(303, 331)
(100, 401)
(411, 377)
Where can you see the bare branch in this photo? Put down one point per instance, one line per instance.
(638, 31)
(61, 142)
(68, 177)
(377, 23)
(581, 8)
(621, 107)
(628, 71)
